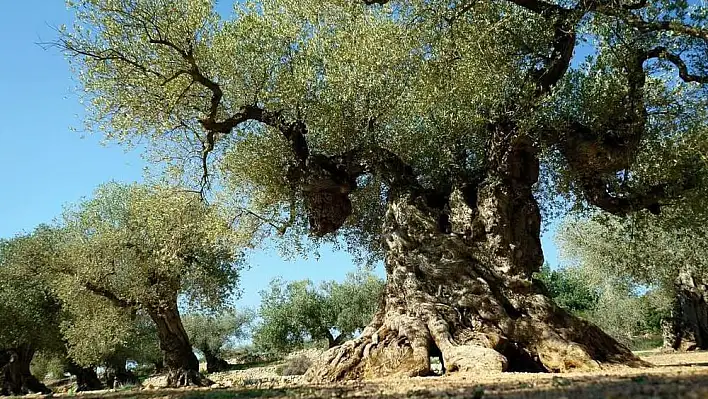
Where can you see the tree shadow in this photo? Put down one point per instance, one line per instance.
(577, 387)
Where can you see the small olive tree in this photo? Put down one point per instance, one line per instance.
(667, 253)
(294, 313)
(139, 247)
(29, 312)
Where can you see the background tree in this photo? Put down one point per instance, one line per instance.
(29, 312)
(569, 289)
(427, 131)
(140, 248)
(298, 312)
(620, 307)
(213, 333)
(666, 252)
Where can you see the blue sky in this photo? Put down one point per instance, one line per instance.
(47, 165)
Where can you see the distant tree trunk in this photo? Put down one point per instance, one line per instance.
(15, 375)
(179, 359)
(332, 341)
(116, 374)
(214, 362)
(687, 326)
(86, 377)
(671, 328)
(459, 285)
(159, 366)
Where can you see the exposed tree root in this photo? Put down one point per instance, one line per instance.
(469, 299)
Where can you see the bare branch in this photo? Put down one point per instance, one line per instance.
(664, 53)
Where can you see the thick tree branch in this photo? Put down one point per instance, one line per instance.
(557, 64)
(623, 203)
(664, 53)
(643, 26)
(116, 300)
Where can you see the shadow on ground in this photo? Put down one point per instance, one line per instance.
(598, 386)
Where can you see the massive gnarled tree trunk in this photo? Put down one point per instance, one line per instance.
(687, 326)
(459, 285)
(179, 359)
(15, 375)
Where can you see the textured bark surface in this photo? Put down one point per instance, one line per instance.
(459, 286)
(15, 375)
(687, 326)
(179, 359)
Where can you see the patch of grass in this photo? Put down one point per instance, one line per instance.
(645, 344)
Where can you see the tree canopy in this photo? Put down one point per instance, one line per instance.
(665, 253)
(286, 88)
(30, 312)
(139, 247)
(298, 312)
(568, 289)
(434, 132)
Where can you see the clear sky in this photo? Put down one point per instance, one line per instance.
(46, 165)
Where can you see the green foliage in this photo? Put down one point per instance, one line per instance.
(611, 302)
(47, 367)
(624, 314)
(29, 310)
(298, 312)
(142, 246)
(128, 249)
(421, 79)
(215, 333)
(568, 289)
(629, 254)
(649, 250)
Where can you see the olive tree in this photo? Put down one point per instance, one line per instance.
(299, 312)
(668, 253)
(212, 333)
(29, 312)
(140, 248)
(430, 133)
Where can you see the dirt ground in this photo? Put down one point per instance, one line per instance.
(676, 375)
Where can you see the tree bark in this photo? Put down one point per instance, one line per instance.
(179, 359)
(159, 366)
(15, 375)
(86, 377)
(687, 326)
(459, 286)
(214, 362)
